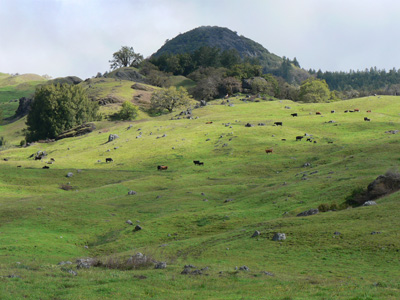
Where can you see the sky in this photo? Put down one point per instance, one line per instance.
(78, 37)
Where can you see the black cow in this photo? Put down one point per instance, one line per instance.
(196, 162)
(332, 111)
(109, 159)
(46, 167)
(201, 163)
(294, 115)
(366, 119)
(278, 123)
(299, 138)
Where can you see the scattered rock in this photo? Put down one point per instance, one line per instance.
(228, 200)
(112, 137)
(137, 228)
(267, 273)
(129, 222)
(85, 263)
(64, 263)
(244, 268)
(369, 203)
(392, 131)
(375, 232)
(132, 192)
(256, 233)
(337, 233)
(307, 165)
(160, 265)
(279, 237)
(70, 174)
(309, 212)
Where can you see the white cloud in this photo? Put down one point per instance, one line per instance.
(78, 37)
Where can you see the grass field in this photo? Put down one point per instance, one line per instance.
(183, 213)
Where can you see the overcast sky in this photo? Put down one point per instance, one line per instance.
(78, 37)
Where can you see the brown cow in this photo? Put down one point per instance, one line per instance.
(269, 151)
(357, 110)
(317, 113)
(160, 168)
(368, 111)
(209, 122)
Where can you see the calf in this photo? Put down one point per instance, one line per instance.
(160, 168)
(109, 159)
(269, 151)
(278, 123)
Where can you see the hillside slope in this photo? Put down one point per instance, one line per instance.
(206, 215)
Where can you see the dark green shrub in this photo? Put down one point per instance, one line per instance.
(357, 196)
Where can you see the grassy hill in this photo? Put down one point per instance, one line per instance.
(13, 87)
(47, 218)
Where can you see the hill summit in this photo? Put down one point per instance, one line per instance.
(222, 38)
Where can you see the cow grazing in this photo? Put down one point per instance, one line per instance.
(368, 111)
(309, 140)
(346, 111)
(351, 110)
(46, 167)
(52, 159)
(278, 123)
(5, 159)
(109, 159)
(332, 111)
(284, 140)
(299, 138)
(269, 151)
(160, 168)
(317, 113)
(199, 163)
(356, 110)
(366, 119)
(209, 122)
(294, 115)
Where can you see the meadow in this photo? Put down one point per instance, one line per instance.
(183, 211)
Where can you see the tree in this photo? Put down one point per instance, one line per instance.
(57, 108)
(125, 57)
(169, 99)
(314, 90)
(128, 111)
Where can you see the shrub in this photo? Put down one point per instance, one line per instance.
(128, 111)
(357, 196)
(57, 108)
(3, 142)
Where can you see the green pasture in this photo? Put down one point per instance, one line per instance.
(183, 212)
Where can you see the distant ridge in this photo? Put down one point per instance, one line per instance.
(222, 38)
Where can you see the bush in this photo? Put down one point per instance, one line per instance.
(3, 142)
(57, 108)
(128, 111)
(357, 196)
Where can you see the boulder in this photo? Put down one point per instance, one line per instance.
(129, 222)
(132, 192)
(369, 203)
(279, 237)
(309, 212)
(85, 263)
(160, 265)
(256, 233)
(112, 137)
(244, 268)
(70, 174)
(137, 228)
